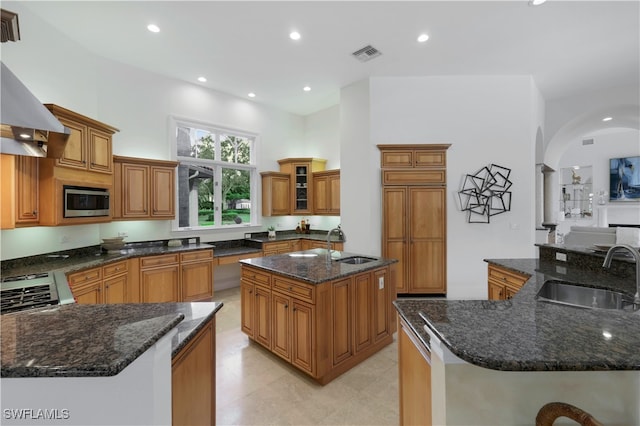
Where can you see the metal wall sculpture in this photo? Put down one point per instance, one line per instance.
(486, 193)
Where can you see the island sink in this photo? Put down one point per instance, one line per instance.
(356, 260)
(565, 293)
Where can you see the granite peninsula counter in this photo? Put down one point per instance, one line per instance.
(523, 353)
(319, 314)
(118, 363)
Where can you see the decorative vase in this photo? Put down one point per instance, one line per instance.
(271, 234)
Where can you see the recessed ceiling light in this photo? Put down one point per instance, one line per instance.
(306, 88)
(422, 38)
(153, 28)
(536, 2)
(607, 119)
(25, 136)
(294, 35)
(202, 79)
(251, 95)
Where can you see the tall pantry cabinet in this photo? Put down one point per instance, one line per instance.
(414, 211)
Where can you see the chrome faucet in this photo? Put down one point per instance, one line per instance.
(340, 232)
(636, 256)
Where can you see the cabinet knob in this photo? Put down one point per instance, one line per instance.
(290, 288)
(286, 306)
(250, 291)
(35, 212)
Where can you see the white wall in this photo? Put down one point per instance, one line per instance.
(486, 119)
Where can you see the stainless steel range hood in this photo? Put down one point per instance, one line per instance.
(27, 127)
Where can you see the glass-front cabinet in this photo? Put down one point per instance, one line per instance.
(300, 170)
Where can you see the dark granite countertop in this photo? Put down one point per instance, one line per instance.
(314, 269)
(93, 340)
(523, 334)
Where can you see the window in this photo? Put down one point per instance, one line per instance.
(216, 176)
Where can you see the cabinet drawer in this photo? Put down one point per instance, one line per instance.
(85, 276)
(430, 158)
(284, 245)
(115, 268)
(413, 176)
(503, 276)
(196, 255)
(397, 159)
(256, 276)
(163, 260)
(294, 289)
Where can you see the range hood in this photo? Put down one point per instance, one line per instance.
(26, 126)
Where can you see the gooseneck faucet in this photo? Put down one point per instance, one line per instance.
(636, 256)
(340, 232)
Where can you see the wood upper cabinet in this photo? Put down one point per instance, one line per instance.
(326, 193)
(143, 189)
(89, 145)
(197, 275)
(504, 283)
(19, 196)
(276, 194)
(301, 171)
(193, 380)
(414, 215)
(414, 362)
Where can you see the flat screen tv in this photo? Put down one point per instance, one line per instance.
(624, 179)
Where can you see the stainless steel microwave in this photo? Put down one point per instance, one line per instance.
(80, 201)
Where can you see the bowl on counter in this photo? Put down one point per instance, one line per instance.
(114, 244)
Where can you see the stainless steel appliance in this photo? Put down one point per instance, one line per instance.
(23, 292)
(82, 201)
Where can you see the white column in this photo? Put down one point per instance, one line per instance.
(551, 190)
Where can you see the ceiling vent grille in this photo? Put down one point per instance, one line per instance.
(367, 53)
(587, 142)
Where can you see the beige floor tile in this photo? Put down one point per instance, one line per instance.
(255, 387)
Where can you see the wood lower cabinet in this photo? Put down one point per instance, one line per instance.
(414, 363)
(323, 329)
(280, 247)
(160, 284)
(313, 244)
(143, 188)
(414, 216)
(107, 284)
(116, 282)
(504, 283)
(193, 380)
(197, 275)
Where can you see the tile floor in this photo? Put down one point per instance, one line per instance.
(255, 387)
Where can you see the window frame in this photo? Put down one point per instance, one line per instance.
(217, 165)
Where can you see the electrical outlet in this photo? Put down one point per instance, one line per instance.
(561, 257)
(122, 234)
(380, 283)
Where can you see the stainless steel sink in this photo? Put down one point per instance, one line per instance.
(586, 297)
(356, 260)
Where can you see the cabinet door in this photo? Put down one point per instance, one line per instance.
(381, 306)
(27, 190)
(162, 192)
(160, 285)
(496, 291)
(320, 194)
(342, 300)
(75, 152)
(276, 194)
(363, 310)
(115, 289)
(281, 337)
(135, 191)
(193, 380)
(262, 331)
(414, 379)
(395, 232)
(100, 158)
(334, 194)
(427, 228)
(88, 294)
(197, 281)
(247, 307)
(302, 338)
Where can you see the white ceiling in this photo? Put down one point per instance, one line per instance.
(569, 47)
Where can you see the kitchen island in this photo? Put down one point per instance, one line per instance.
(316, 311)
(498, 362)
(110, 364)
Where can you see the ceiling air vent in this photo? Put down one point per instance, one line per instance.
(366, 53)
(587, 142)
